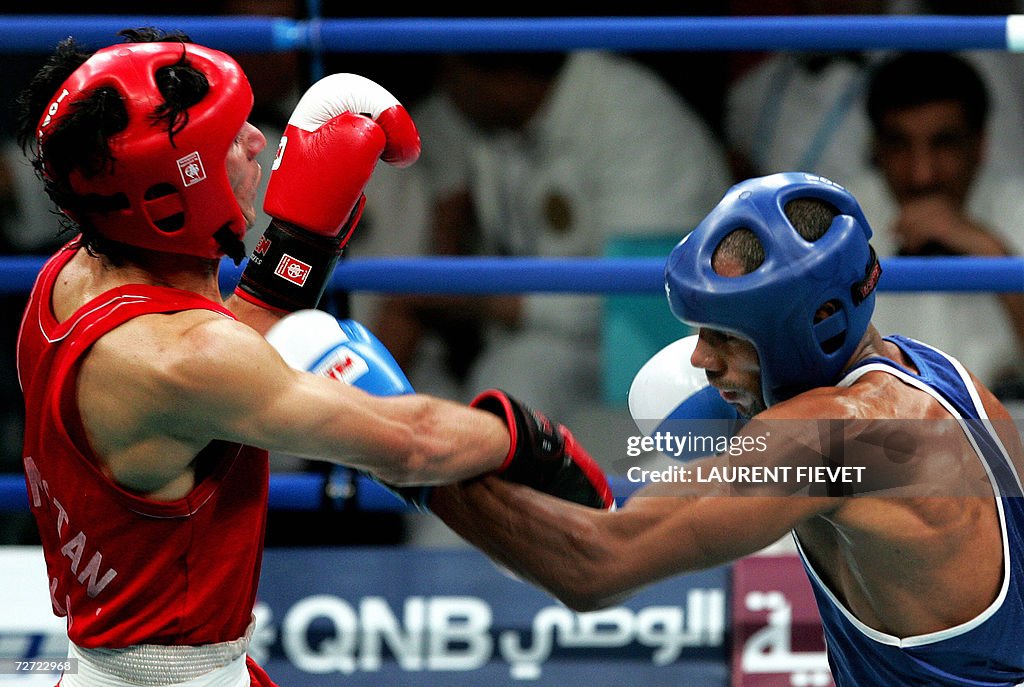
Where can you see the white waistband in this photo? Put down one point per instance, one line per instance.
(152, 665)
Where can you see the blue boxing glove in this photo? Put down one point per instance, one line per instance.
(669, 395)
(345, 350)
(314, 341)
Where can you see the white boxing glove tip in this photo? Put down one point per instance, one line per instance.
(665, 380)
(302, 337)
(345, 350)
(669, 394)
(337, 93)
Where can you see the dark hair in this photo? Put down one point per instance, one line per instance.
(809, 216)
(920, 78)
(80, 141)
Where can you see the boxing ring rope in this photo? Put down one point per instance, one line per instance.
(590, 275)
(33, 33)
(476, 275)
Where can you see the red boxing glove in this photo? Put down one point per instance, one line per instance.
(342, 125)
(546, 456)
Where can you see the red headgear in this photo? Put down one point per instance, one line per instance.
(195, 166)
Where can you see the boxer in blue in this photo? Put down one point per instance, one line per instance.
(917, 571)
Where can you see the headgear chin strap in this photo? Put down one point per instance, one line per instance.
(774, 306)
(160, 180)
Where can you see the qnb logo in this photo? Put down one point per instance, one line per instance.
(191, 169)
(293, 270)
(323, 634)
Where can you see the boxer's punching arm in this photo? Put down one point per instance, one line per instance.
(232, 385)
(590, 559)
(541, 454)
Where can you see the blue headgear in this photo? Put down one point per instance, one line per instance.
(774, 305)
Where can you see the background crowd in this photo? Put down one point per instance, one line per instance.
(586, 153)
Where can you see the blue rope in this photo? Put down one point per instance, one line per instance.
(32, 33)
(598, 276)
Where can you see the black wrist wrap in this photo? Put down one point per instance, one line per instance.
(539, 450)
(289, 268)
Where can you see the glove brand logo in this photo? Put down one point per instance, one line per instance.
(262, 246)
(279, 154)
(823, 180)
(191, 169)
(52, 110)
(344, 366)
(293, 270)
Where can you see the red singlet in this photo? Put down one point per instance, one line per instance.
(124, 569)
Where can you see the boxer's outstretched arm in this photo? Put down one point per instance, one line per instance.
(542, 454)
(218, 379)
(589, 558)
(213, 378)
